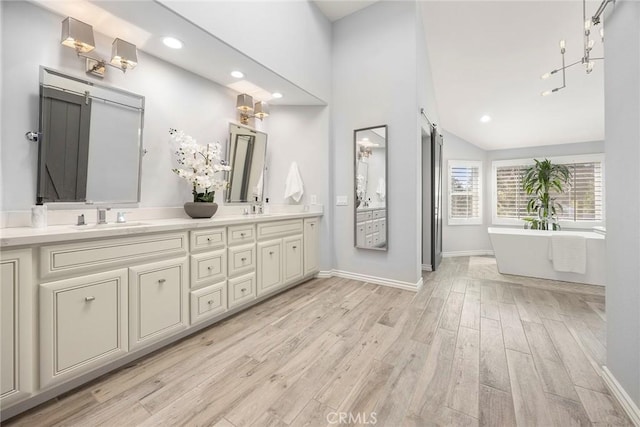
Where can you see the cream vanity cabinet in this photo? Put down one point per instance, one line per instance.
(280, 254)
(371, 228)
(208, 287)
(16, 327)
(111, 300)
(311, 243)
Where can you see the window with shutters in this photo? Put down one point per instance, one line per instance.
(465, 192)
(582, 202)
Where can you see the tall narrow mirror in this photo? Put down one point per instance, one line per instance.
(246, 154)
(370, 185)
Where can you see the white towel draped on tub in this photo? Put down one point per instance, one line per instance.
(294, 187)
(568, 253)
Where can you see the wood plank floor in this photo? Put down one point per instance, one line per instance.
(473, 347)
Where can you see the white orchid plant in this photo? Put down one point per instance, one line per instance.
(201, 164)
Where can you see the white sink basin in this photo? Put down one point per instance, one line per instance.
(107, 226)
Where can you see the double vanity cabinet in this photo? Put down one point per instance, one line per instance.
(371, 227)
(73, 310)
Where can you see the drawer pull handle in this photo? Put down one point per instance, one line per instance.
(87, 299)
(161, 281)
(243, 290)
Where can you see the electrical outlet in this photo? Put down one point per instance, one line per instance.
(314, 199)
(342, 201)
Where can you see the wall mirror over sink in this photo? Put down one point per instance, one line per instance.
(246, 155)
(370, 184)
(90, 142)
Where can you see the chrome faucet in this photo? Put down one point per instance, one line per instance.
(102, 215)
(256, 207)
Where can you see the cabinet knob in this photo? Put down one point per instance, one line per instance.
(312, 224)
(295, 247)
(208, 239)
(87, 299)
(162, 280)
(243, 290)
(243, 259)
(270, 252)
(241, 234)
(209, 268)
(210, 302)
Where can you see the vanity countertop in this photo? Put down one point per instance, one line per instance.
(23, 236)
(370, 208)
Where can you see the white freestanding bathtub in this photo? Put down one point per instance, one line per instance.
(526, 253)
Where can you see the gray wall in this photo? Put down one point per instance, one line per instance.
(622, 149)
(375, 73)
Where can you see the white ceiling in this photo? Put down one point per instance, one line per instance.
(487, 58)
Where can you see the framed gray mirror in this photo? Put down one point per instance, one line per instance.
(90, 144)
(246, 155)
(370, 185)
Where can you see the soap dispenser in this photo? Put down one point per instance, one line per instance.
(266, 209)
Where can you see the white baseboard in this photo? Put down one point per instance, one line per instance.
(378, 280)
(621, 396)
(426, 267)
(467, 253)
(324, 274)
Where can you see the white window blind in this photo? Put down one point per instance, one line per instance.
(583, 200)
(465, 192)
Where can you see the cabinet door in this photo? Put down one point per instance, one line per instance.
(157, 301)
(83, 324)
(16, 328)
(292, 258)
(311, 242)
(269, 266)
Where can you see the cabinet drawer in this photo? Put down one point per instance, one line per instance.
(242, 289)
(379, 214)
(213, 238)
(376, 226)
(241, 234)
(83, 324)
(361, 216)
(275, 229)
(208, 302)
(208, 267)
(65, 259)
(156, 301)
(242, 259)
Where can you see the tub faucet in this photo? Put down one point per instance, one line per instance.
(102, 215)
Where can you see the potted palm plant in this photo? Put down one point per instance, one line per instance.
(541, 181)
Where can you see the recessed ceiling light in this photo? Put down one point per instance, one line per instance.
(485, 119)
(276, 95)
(172, 42)
(237, 74)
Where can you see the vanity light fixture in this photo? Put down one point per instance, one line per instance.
(588, 45)
(246, 106)
(78, 35)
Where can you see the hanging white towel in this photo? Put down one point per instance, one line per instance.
(257, 191)
(381, 190)
(569, 253)
(294, 187)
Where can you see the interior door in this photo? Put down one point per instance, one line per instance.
(64, 149)
(436, 198)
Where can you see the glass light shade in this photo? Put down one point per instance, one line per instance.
(563, 44)
(545, 76)
(245, 103)
(124, 54)
(77, 35)
(261, 110)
